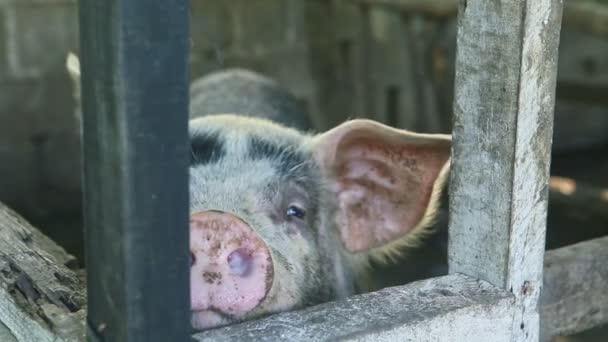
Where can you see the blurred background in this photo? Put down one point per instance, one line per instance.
(341, 59)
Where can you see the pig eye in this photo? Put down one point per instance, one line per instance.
(295, 211)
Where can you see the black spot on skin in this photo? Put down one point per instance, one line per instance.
(280, 259)
(205, 149)
(212, 277)
(284, 156)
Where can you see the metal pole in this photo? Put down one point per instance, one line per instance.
(135, 145)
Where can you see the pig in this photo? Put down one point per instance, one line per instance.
(283, 218)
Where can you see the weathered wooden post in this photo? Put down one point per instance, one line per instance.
(506, 67)
(135, 87)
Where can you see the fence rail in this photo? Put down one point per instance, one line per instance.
(576, 283)
(586, 16)
(450, 308)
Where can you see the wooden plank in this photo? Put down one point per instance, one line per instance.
(420, 36)
(367, 78)
(585, 16)
(136, 151)
(576, 283)
(435, 8)
(581, 64)
(506, 67)
(6, 335)
(40, 298)
(454, 308)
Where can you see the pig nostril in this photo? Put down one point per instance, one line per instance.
(240, 262)
(192, 259)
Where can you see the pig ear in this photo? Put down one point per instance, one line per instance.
(386, 181)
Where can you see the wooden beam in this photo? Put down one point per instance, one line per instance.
(435, 8)
(6, 335)
(576, 283)
(585, 16)
(136, 154)
(506, 65)
(41, 299)
(455, 307)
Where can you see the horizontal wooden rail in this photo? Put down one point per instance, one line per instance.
(41, 299)
(586, 16)
(455, 308)
(575, 286)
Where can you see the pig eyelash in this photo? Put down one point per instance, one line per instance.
(302, 164)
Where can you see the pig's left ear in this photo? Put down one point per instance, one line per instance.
(386, 181)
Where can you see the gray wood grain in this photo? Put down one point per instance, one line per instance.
(40, 298)
(5, 334)
(506, 67)
(454, 308)
(585, 16)
(436, 8)
(575, 286)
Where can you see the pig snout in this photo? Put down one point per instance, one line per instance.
(231, 269)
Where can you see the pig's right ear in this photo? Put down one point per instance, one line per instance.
(386, 181)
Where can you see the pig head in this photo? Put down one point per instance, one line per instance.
(282, 219)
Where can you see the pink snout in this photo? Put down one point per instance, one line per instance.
(230, 269)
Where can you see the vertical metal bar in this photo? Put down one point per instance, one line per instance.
(135, 101)
(506, 65)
